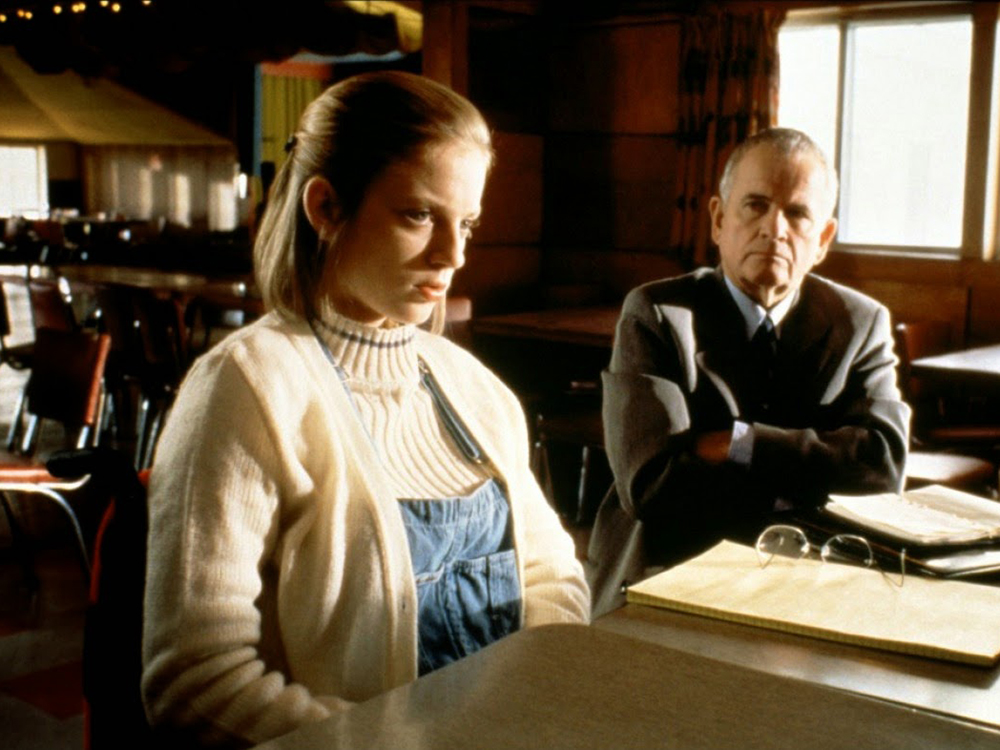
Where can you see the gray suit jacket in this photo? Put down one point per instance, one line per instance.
(679, 368)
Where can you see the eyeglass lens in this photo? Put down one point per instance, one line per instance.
(848, 548)
(787, 541)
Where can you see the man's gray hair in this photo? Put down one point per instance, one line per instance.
(788, 142)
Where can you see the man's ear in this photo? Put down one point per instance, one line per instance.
(715, 210)
(319, 201)
(826, 239)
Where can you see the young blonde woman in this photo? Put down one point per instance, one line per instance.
(341, 500)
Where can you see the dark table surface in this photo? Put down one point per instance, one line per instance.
(574, 686)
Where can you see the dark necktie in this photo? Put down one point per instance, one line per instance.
(765, 342)
(763, 347)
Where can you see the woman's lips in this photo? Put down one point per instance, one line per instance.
(432, 292)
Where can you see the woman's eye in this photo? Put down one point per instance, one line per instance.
(468, 225)
(419, 216)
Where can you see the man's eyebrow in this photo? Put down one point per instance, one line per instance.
(756, 197)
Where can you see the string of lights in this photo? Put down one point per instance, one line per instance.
(25, 12)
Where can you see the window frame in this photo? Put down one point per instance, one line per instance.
(978, 239)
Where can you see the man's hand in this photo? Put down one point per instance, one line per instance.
(713, 447)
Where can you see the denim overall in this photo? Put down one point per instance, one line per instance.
(462, 552)
(466, 573)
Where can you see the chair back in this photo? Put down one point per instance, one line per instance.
(65, 385)
(163, 335)
(147, 332)
(65, 380)
(50, 305)
(5, 327)
(914, 340)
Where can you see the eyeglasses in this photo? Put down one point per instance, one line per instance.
(791, 541)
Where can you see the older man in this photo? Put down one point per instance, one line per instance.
(753, 387)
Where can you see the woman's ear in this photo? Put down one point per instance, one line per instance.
(320, 204)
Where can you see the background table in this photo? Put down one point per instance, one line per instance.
(572, 686)
(978, 368)
(584, 326)
(543, 351)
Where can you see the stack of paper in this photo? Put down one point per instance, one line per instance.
(950, 620)
(932, 515)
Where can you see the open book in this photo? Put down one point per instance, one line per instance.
(932, 515)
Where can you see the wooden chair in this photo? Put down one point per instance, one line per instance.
(164, 362)
(209, 312)
(576, 424)
(51, 304)
(148, 356)
(940, 418)
(933, 458)
(50, 307)
(65, 386)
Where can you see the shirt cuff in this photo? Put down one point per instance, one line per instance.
(741, 444)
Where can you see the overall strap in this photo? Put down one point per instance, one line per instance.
(452, 422)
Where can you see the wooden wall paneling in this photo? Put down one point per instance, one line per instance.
(911, 302)
(500, 278)
(507, 57)
(928, 288)
(611, 191)
(616, 272)
(445, 46)
(615, 78)
(513, 202)
(984, 303)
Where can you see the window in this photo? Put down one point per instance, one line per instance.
(24, 189)
(888, 96)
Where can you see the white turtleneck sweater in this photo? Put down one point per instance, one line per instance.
(279, 582)
(419, 456)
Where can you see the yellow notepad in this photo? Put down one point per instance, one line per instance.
(951, 620)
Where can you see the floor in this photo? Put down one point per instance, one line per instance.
(41, 639)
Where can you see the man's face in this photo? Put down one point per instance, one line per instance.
(775, 226)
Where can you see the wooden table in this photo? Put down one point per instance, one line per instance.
(584, 326)
(572, 686)
(178, 282)
(979, 367)
(543, 352)
(958, 691)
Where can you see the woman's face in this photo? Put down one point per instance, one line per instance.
(395, 258)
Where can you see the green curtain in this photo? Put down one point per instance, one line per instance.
(282, 100)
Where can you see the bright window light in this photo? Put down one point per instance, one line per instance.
(905, 122)
(903, 127)
(808, 100)
(24, 187)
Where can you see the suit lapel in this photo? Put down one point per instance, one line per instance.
(808, 339)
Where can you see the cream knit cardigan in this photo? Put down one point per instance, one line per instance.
(279, 585)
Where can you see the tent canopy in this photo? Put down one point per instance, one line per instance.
(98, 112)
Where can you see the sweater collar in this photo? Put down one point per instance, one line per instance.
(370, 354)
